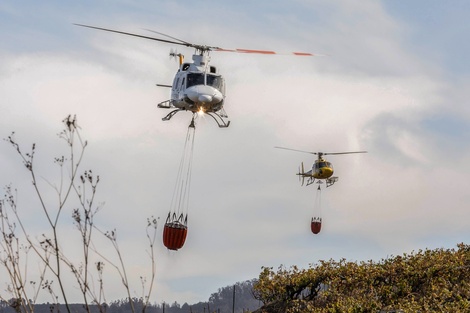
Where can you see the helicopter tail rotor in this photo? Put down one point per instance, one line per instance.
(301, 173)
(174, 54)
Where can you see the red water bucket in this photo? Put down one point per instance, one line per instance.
(174, 235)
(315, 226)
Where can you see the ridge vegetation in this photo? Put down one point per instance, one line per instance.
(423, 281)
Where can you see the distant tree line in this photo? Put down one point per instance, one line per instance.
(424, 281)
(220, 302)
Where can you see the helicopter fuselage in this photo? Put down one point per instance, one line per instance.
(321, 169)
(197, 87)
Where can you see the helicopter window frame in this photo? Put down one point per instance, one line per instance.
(194, 79)
(207, 79)
(215, 81)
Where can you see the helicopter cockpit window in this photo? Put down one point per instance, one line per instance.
(195, 79)
(214, 81)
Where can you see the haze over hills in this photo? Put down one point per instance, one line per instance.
(219, 301)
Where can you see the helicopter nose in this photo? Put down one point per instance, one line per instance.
(217, 96)
(204, 94)
(205, 98)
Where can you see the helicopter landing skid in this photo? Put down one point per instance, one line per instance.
(171, 114)
(311, 180)
(217, 118)
(331, 181)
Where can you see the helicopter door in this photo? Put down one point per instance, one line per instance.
(175, 83)
(180, 90)
(181, 87)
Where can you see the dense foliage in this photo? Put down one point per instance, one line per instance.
(424, 281)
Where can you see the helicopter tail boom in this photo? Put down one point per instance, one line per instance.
(305, 175)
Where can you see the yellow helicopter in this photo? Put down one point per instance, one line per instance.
(321, 169)
(197, 87)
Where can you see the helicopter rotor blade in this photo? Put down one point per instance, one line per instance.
(322, 153)
(336, 153)
(182, 43)
(268, 52)
(174, 38)
(296, 150)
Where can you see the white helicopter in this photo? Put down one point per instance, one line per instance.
(321, 169)
(197, 87)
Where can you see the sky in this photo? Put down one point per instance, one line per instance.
(394, 82)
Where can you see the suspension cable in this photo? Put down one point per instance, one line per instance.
(180, 199)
